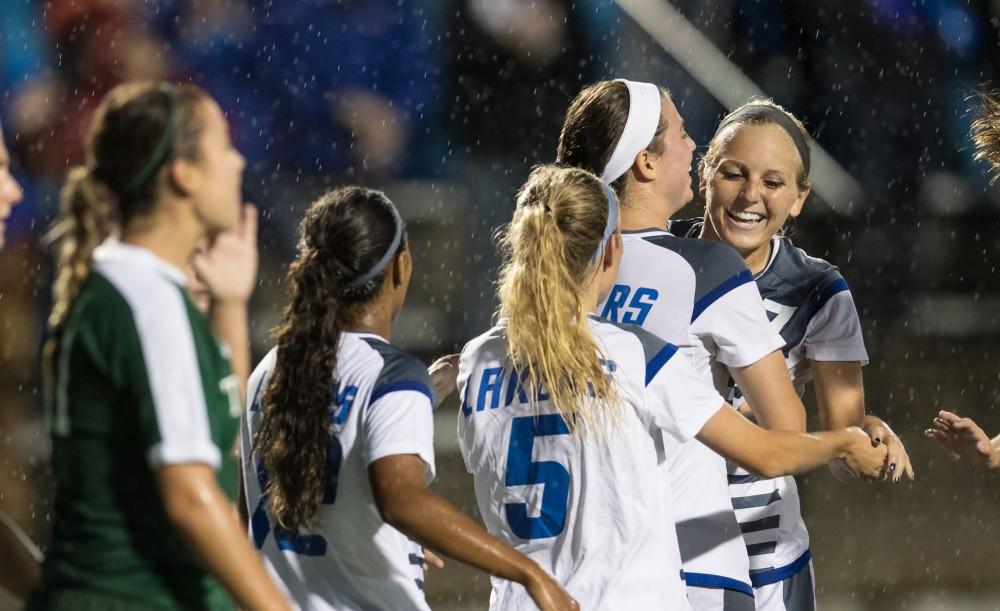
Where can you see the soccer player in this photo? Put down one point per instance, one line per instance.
(561, 412)
(754, 177)
(338, 439)
(19, 557)
(696, 294)
(962, 437)
(142, 404)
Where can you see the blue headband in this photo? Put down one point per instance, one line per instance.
(393, 247)
(609, 229)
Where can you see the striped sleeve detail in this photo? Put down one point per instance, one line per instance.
(718, 292)
(661, 358)
(837, 286)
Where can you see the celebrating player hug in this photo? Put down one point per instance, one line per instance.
(630, 420)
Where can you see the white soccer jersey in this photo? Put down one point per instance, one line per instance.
(587, 508)
(351, 559)
(700, 295)
(809, 304)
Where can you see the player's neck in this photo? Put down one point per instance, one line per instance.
(642, 210)
(376, 319)
(169, 238)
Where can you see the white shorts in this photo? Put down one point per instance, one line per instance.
(795, 593)
(719, 599)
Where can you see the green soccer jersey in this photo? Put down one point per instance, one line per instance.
(140, 382)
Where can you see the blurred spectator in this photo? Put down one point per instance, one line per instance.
(512, 67)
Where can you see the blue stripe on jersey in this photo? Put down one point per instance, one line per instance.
(837, 286)
(715, 294)
(655, 364)
(759, 549)
(420, 387)
(707, 580)
(416, 559)
(756, 500)
(765, 577)
(742, 479)
(767, 523)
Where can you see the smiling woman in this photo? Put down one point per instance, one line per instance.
(754, 177)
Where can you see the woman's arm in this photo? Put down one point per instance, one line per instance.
(840, 397)
(769, 391)
(20, 559)
(776, 453)
(404, 501)
(205, 520)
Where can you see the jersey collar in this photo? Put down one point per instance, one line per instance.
(775, 246)
(113, 251)
(363, 334)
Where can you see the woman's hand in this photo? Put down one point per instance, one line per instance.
(444, 377)
(897, 459)
(228, 266)
(964, 440)
(864, 458)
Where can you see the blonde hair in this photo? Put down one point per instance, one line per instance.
(97, 201)
(985, 132)
(548, 249)
(716, 147)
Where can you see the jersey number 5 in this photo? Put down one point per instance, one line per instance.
(522, 471)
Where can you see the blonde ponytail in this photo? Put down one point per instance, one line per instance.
(86, 218)
(549, 247)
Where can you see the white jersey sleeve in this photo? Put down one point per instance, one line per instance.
(679, 401)
(732, 324)
(399, 418)
(834, 332)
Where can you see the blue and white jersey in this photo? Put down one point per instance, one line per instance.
(584, 505)
(382, 405)
(700, 295)
(809, 303)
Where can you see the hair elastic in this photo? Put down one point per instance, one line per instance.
(393, 246)
(612, 223)
(640, 127)
(756, 113)
(162, 147)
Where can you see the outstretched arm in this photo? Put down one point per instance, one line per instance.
(404, 501)
(965, 441)
(776, 453)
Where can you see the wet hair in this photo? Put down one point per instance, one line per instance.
(720, 141)
(136, 131)
(985, 132)
(548, 250)
(594, 123)
(342, 238)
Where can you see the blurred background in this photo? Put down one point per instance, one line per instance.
(446, 104)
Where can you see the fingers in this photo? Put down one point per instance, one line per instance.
(248, 223)
(878, 433)
(433, 559)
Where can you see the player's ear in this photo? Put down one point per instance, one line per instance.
(402, 268)
(800, 202)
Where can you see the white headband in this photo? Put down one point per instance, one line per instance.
(640, 127)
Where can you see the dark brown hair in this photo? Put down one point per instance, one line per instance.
(343, 235)
(986, 131)
(101, 197)
(594, 123)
